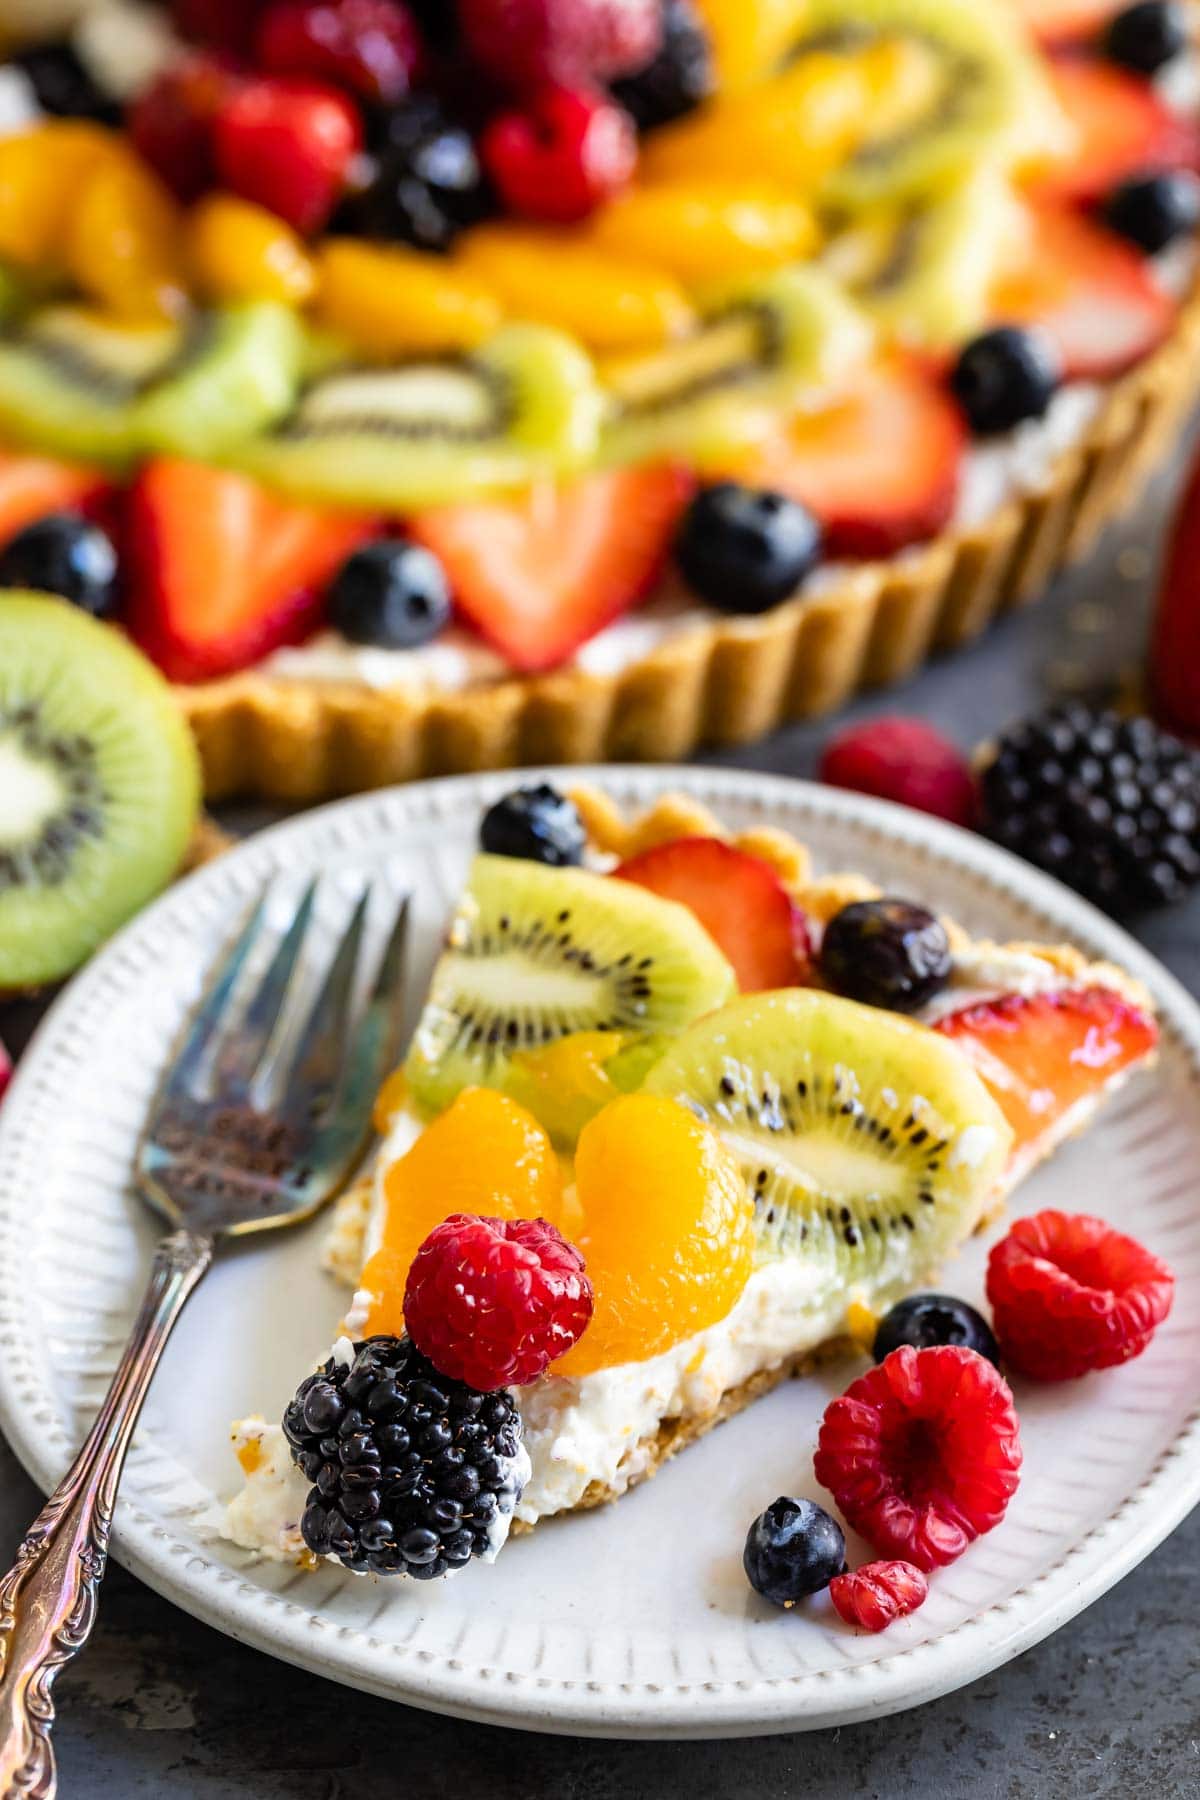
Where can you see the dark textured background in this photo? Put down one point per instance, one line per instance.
(1109, 1706)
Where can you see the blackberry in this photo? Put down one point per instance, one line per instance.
(677, 79)
(410, 1470)
(1109, 805)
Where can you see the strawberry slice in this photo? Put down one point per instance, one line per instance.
(1057, 22)
(541, 573)
(1121, 127)
(739, 900)
(1094, 293)
(879, 465)
(1041, 1054)
(1175, 645)
(221, 571)
(33, 486)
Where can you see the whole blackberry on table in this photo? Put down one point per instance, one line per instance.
(1109, 805)
(410, 1470)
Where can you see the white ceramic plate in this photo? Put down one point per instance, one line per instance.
(635, 1621)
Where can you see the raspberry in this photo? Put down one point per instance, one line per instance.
(369, 46)
(287, 145)
(559, 157)
(1069, 1294)
(173, 122)
(878, 1594)
(903, 760)
(922, 1454)
(493, 1302)
(529, 41)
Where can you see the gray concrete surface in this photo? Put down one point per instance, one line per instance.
(1110, 1706)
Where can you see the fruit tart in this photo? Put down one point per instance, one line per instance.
(679, 1114)
(485, 383)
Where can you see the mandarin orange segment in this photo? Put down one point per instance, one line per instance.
(391, 301)
(704, 229)
(484, 1154)
(667, 1231)
(42, 173)
(124, 242)
(240, 251)
(608, 302)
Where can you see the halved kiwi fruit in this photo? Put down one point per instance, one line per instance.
(99, 786)
(535, 954)
(77, 383)
(923, 269)
(436, 429)
(760, 344)
(984, 88)
(869, 1144)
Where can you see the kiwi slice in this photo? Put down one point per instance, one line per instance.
(984, 86)
(923, 269)
(536, 953)
(436, 429)
(75, 382)
(869, 1143)
(99, 786)
(758, 346)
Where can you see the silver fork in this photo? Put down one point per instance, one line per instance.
(218, 1159)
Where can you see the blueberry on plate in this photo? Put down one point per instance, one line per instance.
(429, 184)
(924, 1320)
(677, 79)
(1153, 210)
(792, 1550)
(1004, 377)
(745, 549)
(886, 953)
(391, 594)
(1147, 36)
(537, 824)
(66, 554)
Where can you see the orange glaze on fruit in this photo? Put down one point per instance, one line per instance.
(667, 1232)
(485, 1155)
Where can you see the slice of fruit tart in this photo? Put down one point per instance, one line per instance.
(678, 1115)
(513, 381)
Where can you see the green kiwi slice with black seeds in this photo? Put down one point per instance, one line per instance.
(99, 786)
(869, 1143)
(536, 953)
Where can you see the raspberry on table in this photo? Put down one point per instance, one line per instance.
(922, 1453)
(1070, 1295)
(904, 760)
(493, 1302)
(878, 1594)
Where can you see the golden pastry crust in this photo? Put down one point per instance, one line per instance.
(727, 681)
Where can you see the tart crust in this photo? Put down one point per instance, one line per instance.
(725, 682)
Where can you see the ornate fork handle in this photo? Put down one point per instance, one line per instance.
(48, 1598)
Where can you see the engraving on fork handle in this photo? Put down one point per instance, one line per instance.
(49, 1597)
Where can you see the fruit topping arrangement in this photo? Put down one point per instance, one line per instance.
(535, 307)
(647, 1104)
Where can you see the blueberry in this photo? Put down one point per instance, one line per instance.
(886, 953)
(792, 1550)
(1153, 210)
(65, 554)
(63, 84)
(924, 1320)
(429, 184)
(678, 78)
(390, 593)
(540, 825)
(1005, 376)
(1147, 36)
(745, 549)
